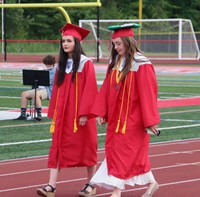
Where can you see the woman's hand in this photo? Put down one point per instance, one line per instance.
(101, 121)
(154, 129)
(83, 120)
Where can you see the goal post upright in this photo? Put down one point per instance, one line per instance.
(180, 39)
(52, 5)
(196, 43)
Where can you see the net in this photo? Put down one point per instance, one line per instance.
(158, 38)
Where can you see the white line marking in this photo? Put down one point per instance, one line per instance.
(161, 185)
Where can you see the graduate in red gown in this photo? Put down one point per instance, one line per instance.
(127, 102)
(74, 131)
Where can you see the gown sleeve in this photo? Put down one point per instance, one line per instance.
(148, 90)
(90, 90)
(100, 105)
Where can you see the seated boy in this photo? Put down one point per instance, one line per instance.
(43, 92)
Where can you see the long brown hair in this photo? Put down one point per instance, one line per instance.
(63, 58)
(131, 48)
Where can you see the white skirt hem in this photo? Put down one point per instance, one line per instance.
(102, 179)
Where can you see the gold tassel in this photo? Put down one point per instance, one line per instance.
(75, 126)
(76, 105)
(124, 128)
(117, 128)
(52, 127)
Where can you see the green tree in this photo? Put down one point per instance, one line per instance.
(156, 9)
(44, 23)
(15, 22)
(189, 9)
(110, 10)
(47, 21)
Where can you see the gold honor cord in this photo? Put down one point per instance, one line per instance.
(76, 106)
(128, 103)
(118, 77)
(127, 108)
(52, 127)
(118, 73)
(121, 107)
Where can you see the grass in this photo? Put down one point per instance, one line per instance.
(26, 138)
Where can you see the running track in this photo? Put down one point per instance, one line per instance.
(175, 165)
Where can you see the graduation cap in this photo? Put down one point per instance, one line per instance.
(123, 30)
(72, 30)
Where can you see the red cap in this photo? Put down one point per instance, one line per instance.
(122, 32)
(72, 30)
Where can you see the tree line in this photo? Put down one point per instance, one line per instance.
(44, 23)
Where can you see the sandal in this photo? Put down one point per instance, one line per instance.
(88, 190)
(151, 189)
(45, 193)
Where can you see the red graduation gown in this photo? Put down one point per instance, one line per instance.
(127, 154)
(71, 149)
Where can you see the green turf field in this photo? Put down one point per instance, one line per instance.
(28, 138)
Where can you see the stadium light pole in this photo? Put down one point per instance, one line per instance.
(3, 29)
(2, 25)
(140, 18)
(140, 9)
(98, 14)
